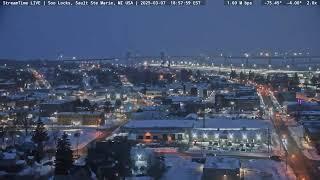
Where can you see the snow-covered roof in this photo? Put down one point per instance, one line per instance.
(79, 113)
(136, 124)
(139, 178)
(7, 155)
(184, 98)
(233, 123)
(222, 163)
(55, 102)
(314, 113)
(67, 86)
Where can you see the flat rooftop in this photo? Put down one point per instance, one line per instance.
(229, 123)
(139, 124)
(222, 163)
(221, 123)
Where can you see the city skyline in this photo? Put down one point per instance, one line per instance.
(31, 32)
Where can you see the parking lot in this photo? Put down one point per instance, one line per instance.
(215, 146)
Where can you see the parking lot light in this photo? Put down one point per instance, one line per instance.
(258, 137)
(244, 136)
(139, 156)
(194, 135)
(230, 136)
(205, 135)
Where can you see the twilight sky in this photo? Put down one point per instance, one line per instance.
(28, 32)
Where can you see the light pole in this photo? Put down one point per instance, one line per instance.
(232, 106)
(77, 135)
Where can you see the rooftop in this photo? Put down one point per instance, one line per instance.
(222, 163)
(136, 124)
(229, 123)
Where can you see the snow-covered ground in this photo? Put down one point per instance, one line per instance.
(180, 168)
(297, 133)
(266, 169)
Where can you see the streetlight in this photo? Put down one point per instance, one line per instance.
(258, 137)
(288, 66)
(139, 157)
(244, 137)
(230, 136)
(205, 135)
(232, 106)
(194, 135)
(216, 135)
(77, 135)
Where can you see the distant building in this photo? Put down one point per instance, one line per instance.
(153, 93)
(286, 98)
(49, 108)
(242, 98)
(79, 118)
(10, 86)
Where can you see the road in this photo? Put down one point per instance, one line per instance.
(304, 168)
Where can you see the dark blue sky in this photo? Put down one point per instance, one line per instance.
(102, 32)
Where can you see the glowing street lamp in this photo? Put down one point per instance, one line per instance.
(139, 156)
(205, 135)
(230, 136)
(194, 135)
(258, 137)
(244, 137)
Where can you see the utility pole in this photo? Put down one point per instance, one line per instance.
(268, 140)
